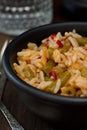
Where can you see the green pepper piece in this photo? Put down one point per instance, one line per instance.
(84, 72)
(49, 65)
(58, 69)
(64, 77)
(47, 77)
(50, 52)
(28, 72)
(65, 47)
(82, 41)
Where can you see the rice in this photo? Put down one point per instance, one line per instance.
(58, 65)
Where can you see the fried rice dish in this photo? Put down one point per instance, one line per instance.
(57, 66)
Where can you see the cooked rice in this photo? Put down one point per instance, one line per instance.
(53, 68)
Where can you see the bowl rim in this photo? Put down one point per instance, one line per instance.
(52, 98)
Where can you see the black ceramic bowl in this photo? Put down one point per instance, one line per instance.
(53, 108)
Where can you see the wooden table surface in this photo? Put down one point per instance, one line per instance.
(12, 100)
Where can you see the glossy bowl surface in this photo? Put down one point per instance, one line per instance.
(50, 107)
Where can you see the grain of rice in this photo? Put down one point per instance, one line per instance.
(84, 92)
(41, 76)
(58, 84)
(73, 41)
(44, 84)
(81, 82)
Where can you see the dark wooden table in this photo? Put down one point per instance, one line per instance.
(11, 98)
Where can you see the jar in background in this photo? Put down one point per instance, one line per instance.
(17, 16)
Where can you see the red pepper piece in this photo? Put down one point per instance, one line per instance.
(54, 74)
(59, 43)
(53, 36)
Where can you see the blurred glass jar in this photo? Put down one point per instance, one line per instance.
(17, 16)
